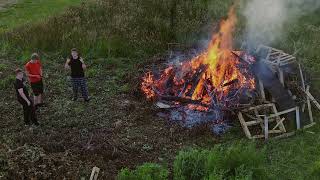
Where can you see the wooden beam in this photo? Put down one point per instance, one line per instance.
(266, 128)
(282, 113)
(309, 125)
(258, 107)
(279, 120)
(94, 173)
(285, 135)
(278, 124)
(252, 123)
(244, 126)
(259, 136)
(298, 117)
(262, 93)
(302, 78)
(315, 102)
(281, 76)
(309, 106)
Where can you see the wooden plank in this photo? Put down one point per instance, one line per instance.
(309, 125)
(278, 124)
(298, 117)
(260, 119)
(279, 120)
(281, 76)
(266, 128)
(285, 135)
(94, 173)
(286, 58)
(309, 106)
(259, 107)
(275, 131)
(282, 112)
(258, 136)
(244, 126)
(302, 78)
(252, 123)
(313, 100)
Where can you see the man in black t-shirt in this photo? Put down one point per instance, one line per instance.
(24, 99)
(77, 66)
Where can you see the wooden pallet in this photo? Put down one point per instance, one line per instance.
(263, 115)
(277, 57)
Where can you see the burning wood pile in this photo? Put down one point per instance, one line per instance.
(260, 88)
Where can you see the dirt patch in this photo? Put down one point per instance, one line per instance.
(111, 132)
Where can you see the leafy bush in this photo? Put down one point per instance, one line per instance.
(190, 165)
(237, 160)
(148, 171)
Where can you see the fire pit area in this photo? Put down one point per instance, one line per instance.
(266, 89)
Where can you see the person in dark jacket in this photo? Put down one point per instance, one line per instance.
(77, 66)
(24, 99)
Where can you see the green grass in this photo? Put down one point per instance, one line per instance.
(31, 11)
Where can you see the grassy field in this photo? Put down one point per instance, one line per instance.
(31, 11)
(118, 128)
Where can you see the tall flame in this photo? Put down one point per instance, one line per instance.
(219, 65)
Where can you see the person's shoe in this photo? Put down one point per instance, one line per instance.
(87, 100)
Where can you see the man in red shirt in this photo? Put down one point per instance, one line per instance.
(34, 73)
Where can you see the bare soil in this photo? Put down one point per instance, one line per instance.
(110, 132)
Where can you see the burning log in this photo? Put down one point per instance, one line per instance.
(230, 82)
(195, 80)
(182, 100)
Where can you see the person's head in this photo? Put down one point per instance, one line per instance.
(74, 53)
(35, 57)
(19, 73)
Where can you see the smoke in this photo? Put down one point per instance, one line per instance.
(267, 20)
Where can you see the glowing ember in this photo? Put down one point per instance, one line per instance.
(211, 76)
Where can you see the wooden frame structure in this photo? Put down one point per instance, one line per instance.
(266, 115)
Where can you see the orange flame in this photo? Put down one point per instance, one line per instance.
(221, 68)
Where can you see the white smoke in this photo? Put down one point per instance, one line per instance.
(267, 20)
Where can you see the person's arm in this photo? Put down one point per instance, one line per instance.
(83, 64)
(24, 96)
(66, 65)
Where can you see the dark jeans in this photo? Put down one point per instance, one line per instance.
(80, 83)
(29, 112)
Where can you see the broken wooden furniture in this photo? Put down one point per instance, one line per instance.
(268, 118)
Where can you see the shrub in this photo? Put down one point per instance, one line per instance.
(190, 165)
(239, 161)
(148, 171)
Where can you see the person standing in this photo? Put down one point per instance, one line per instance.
(24, 99)
(77, 66)
(34, 72)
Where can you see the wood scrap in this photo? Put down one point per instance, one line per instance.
(94, 173)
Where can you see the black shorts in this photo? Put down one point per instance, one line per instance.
(37, 88)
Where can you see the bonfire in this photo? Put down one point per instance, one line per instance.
(218, 82)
